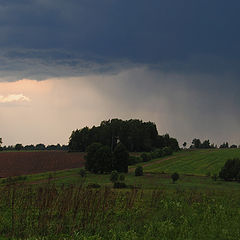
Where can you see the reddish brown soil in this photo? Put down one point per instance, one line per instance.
(21, 163)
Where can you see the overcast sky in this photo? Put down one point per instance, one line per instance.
(65, 64)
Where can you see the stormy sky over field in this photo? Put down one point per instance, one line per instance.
(68, 64)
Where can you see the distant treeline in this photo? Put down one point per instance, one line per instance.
(196, 143)
(38, 147)
(134, 134)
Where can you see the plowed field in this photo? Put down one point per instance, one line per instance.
(21, 163)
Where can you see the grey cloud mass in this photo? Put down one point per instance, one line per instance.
(176, 62)
(176, 35)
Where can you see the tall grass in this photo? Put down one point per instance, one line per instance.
(76, 212)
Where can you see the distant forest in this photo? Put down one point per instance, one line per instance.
(37, 147)
(134, 134)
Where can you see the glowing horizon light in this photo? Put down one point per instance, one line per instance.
(14, 98)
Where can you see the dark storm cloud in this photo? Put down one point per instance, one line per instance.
(174, 62)
(183, 36)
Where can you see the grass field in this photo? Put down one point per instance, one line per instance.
(60, 207)
(196, 162)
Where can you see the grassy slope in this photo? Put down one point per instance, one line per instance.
(197, 162)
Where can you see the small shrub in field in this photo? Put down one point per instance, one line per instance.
(208, 174)
(139, 171)
(82, 173)
(167, 151)
(122, 178)
(93, 185)
(214, 177)
(146, 157)
(175, 177)
(119, 185)
(134, 159)
(114, 176)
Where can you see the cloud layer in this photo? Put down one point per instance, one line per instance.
(14, 98)
(172, 62)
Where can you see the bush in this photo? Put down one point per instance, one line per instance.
(167, 151)
(146, 157)
(214, 177)
(98, 158)
(119, 185)
(175, 177)
(114, 176)
(122, 178)
(134, 159)
(159, 153)
(120, 158)
(139, 171)
(208, 174)
(231, 170)
(82, 173)
(93, 185)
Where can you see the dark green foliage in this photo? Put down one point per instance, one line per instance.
(82, 173)
(98, 158)
(146, 157)
(120, 158)
(198, 144)
(121, 177)
(175, 177)
(231, 170)
(18, 147)
(214, 177)
(134, 159)
(139, 171)
(93, 185)
(119, 185)
(167, 151)
(224, 145)
(114, 176)
(90, 157)
(135, 135)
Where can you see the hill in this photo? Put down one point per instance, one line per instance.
(197, 162)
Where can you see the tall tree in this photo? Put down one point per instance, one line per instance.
(120, 158)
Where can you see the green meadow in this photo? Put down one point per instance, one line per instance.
(63, 205)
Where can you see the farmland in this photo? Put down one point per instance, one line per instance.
(194, 162)
(151, 207)
(22, 163)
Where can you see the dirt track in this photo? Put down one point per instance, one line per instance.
(21, 163)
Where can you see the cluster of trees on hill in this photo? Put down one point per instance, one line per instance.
(100, 158)
(196, 143)
(135, 135)
(32, 147)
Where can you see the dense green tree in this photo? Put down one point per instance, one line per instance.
(231, 170)
(114, 176)
(196, 143)
(139, 171)
(98, 158)
(120, 158)
(134, 134)
(18, 146)
(175, 177)
(205, 144)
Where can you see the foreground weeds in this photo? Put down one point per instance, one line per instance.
(75, 212)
